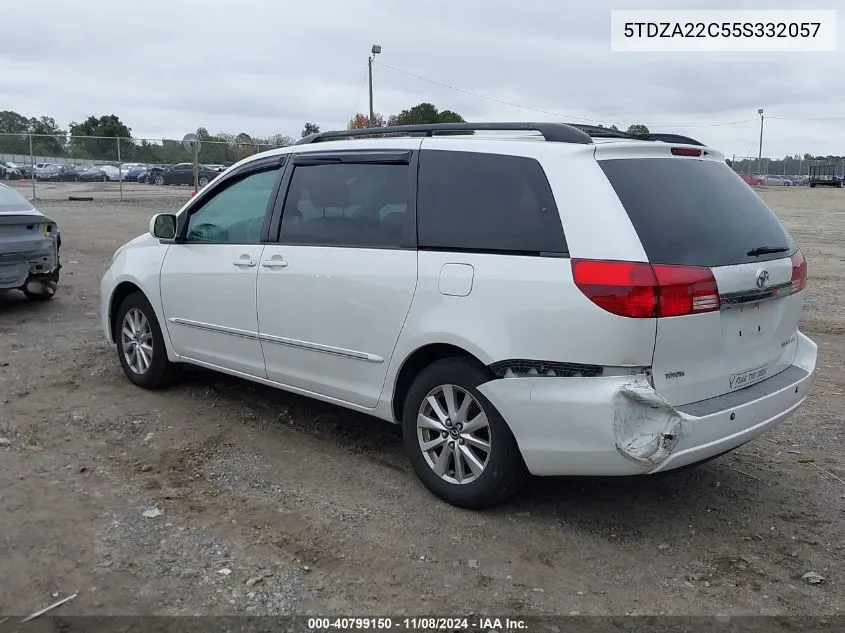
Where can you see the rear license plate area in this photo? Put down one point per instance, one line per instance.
(747, 377)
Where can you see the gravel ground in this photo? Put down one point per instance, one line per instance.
(273, 504)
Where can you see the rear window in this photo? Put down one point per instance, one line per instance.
(694, 213)
(11, 201)
(486, 203)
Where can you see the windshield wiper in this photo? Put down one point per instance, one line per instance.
(766, 250)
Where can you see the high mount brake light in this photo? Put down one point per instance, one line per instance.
(644, 291)
(685, 151)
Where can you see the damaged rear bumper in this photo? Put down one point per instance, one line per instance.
(618, 425)
(33, 269)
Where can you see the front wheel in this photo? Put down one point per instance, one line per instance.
(458, 443)
(140, 344)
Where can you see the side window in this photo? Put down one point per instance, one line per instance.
(338, 204)
(236, 213)
(471, 201)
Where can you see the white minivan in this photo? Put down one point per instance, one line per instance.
(521, 297)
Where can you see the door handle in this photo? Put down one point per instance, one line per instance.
(244, 262)
(277, 261)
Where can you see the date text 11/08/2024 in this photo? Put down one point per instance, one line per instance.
(417, 624)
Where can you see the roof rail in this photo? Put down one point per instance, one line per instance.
(668, 138)
(554, 132)
(597, 131)
(606, 132)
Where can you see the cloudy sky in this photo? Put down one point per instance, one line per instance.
(166, 67)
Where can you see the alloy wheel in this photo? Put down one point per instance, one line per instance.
(136, 337)
(453, 433)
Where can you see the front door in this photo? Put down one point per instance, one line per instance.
(208, 282)
(334, 293)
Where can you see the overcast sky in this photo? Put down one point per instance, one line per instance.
(166, 67)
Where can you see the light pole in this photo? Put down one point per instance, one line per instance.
(375, 51)
(760, 151)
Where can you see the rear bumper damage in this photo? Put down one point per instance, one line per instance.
(617, 425)
(35, 270)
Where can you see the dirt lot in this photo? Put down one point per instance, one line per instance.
(314, 509)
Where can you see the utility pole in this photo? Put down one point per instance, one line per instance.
(760, 151)
(375, 51)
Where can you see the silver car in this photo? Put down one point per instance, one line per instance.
(776, 181)
(29, 248)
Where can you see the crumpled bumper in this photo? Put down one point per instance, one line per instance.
(618, 425)
(36, 268)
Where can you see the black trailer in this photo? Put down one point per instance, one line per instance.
(824, 176)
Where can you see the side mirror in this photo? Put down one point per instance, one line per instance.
(163, 226)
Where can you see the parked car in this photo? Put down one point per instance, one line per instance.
(131, 173)
(58, 173)
(111, 172)
(183, 174)
(776, 181)
(29, 248)
(153, 171)
(10, 171)
(752, 180)
(40, 167)
(472, 292)
(217, 168)
(94, 173)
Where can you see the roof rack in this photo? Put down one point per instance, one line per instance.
(668, 138)
(605, 132)
(554, 132)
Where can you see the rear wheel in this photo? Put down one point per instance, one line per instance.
(203, 181)
(140, 344)
(458, 444)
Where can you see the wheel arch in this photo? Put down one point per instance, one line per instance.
(418, 360)
(121, 291)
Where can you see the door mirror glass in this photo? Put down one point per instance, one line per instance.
(163, 226)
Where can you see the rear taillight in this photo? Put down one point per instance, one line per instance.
(799, 271)
(640, 290)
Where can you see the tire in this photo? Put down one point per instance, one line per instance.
(39, 298)
(158, 179)
(502, 472)
(159, 371)
(202, 181)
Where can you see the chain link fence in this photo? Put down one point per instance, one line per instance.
(795, 167)
(56, 167)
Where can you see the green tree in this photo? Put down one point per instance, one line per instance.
(96, 137)
(637, 128)
(424, 113)
(47, 140)
(310, 128)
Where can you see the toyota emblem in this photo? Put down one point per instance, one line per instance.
(762, 279)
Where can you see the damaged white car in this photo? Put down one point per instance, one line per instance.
(29, 248)
(579, 301)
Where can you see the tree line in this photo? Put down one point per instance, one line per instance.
(103, 137)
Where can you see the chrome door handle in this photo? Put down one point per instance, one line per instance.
(274, 262)
(244, 263)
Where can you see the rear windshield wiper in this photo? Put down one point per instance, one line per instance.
(766, 250)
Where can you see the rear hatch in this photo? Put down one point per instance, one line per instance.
(738, 268)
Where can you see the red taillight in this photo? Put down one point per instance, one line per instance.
(799, 271)
(685, 151)
(639, 290)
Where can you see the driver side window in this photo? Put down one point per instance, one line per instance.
(235, 214)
